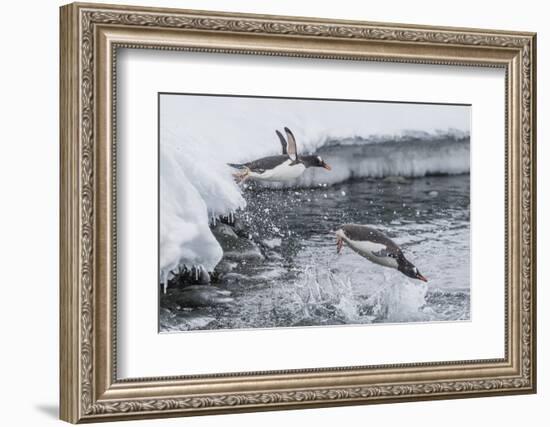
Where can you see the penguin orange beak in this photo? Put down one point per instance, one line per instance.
(327, 167)
(420, 277)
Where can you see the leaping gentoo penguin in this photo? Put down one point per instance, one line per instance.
(284, 167)
(376, 247)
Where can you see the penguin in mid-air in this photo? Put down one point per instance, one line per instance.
(284, 167)
(376, 247)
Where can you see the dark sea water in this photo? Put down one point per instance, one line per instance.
(281, 268)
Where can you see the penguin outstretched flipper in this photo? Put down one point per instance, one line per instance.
(291, 148)
(283, 142)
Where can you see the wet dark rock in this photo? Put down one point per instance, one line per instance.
(240, 227)
(230, 279)
(225, 266)
(170, 321)
(168, 302)
(397, 180)
(236, 248)
(224, 231)
(167, 313)
(201, 296)
(189, 276)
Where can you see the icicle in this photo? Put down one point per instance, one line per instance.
(204, 276)
(164, 281)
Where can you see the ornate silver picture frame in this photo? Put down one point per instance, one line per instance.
(91, 37)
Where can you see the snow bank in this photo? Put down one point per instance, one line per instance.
(190, 193)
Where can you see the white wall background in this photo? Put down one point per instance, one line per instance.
(29, 170)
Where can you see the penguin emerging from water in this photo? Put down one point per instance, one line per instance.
(284, 167)
(376, 247)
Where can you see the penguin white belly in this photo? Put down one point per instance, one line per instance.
(369, 249)
(283, 172)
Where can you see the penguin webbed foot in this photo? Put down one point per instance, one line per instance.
(339, 245)
(241, 176)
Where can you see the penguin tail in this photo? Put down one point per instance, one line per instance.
(236, 165)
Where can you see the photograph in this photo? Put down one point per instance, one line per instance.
(298, 212)
(288, 208)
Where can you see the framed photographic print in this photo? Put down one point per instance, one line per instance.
(266, 212)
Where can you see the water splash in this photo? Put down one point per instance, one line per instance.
(324, 296)
(400, 301)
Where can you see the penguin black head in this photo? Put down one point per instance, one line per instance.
(408, 269)
(314, 161)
